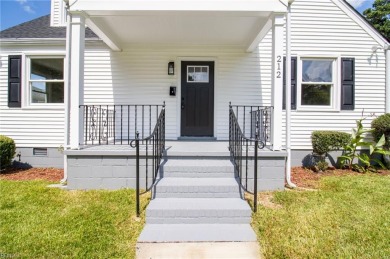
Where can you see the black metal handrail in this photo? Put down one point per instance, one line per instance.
(244, 149)
(153, 148)
(117, 124)
(255, 120)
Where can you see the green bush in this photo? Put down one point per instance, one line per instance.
(7, 151)
(381, 126)
(325, 141)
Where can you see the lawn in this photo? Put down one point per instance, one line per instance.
(346, 217)
(338, 215)
(41, 222)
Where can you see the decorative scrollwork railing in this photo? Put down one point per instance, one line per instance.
(153, 148)
(243, 149)
(117, 124)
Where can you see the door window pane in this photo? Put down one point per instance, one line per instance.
(197, 74)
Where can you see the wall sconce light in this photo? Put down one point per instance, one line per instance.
(171, 68)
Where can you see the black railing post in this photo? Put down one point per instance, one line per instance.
(137, 173)
(255, 175)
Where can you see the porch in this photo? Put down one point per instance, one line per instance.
(237, 27)
(114, 166)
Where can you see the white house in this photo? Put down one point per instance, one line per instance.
(196, 56)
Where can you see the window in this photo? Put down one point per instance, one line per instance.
(317, 88)
(46, 80)
(197, 74)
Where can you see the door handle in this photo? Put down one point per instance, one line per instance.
(182, 105)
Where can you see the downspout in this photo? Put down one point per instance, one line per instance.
(387, 53)
(289, 184)
(67, 91)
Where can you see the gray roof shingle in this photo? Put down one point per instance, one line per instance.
(38, 29)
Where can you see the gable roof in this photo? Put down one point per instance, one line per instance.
(360, 19)
(39, 29)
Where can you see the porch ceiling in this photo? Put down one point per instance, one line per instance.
(240, 23)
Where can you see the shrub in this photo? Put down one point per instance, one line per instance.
(7, 151)
(325, 141)
(381, 126)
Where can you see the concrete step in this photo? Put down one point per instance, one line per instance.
(197, 188)
(200, 250)
(198, 211)
(195, 168)
(197, 233)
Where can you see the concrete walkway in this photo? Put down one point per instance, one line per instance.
(222, 250)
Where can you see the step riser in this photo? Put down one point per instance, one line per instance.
(197, 175)
(197, 195)
(197, 192)
(210, 213)
(203, 220)
(198, 169)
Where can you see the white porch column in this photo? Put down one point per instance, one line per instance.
(277, 79)
(77, 44)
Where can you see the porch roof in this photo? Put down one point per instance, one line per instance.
(240, 23)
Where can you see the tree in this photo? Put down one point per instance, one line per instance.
(379, 16)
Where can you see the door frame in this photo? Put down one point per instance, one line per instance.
(178, 90)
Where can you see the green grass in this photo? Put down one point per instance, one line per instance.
(349, 217)
(41, 222)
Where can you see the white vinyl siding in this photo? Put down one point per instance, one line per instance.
(29, 127)
(58, 13)
(139, 75)
(320, 28)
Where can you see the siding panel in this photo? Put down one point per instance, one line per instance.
(321, 28)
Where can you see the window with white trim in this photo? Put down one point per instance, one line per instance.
(317, 88)
(46, 80)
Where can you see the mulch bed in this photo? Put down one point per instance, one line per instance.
(306, 178)
(22, 174)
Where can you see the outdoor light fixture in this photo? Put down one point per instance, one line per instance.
(171, 68)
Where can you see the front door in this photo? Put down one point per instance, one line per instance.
(197, 98)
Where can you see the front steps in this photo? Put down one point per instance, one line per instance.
(197, 201)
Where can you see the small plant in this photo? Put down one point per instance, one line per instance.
(326, 141)
(7, 151)
(321, 166)
(365, 160)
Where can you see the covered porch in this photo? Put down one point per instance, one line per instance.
(208, 27)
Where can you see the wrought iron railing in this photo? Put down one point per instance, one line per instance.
(244, 148)
(151, 150)
(255, 120)
(117, 124)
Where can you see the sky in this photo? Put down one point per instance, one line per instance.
(14, 12)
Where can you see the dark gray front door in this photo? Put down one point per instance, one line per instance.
(197, 98)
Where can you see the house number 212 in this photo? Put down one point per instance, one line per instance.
(279, 67)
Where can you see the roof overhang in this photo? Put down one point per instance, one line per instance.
(239, 23)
